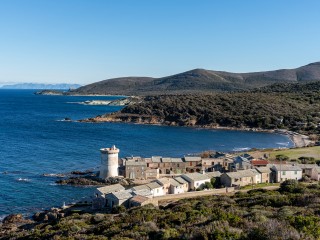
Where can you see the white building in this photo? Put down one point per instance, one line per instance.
(109, 162)
(284, 172)
(176, 187)
(185, 184)
(156, 189)
(195, 179)
(102, 191)
(165, 182)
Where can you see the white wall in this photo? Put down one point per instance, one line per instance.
(176, 189)
(158, 191)
(289, 175)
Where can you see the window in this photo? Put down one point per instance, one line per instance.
(295, 172)
(178, 165)
(190, 164)
(197, 184)
(283, 173)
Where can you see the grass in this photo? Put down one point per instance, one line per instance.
(293, 153)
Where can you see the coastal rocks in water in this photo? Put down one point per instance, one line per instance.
(50, 92)
(58, 175)
(79, 181)
(13, 218)
(125, 101)
(96, 102)
(92, 181)
(81, 172)
(118, 102)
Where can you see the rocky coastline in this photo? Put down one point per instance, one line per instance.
(299, 140)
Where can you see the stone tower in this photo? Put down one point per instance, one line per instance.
(109, 162)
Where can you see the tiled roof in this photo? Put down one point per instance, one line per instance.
(192, 159)
(165, 160)
(140, 187)
(241, 174)
(156, 159)
(180, 180)
(143, 192)
(153, 185)
(259, 162)
(135, 163)
(286, 167)
(195, 176)
(122, 194)
(263, 169)
(139, 199)
(213, 174)
(111, 188)
(176, 160)
(307, 166)
(163, 181)
(175, 183)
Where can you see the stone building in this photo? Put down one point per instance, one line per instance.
(239, 178)
(265, 174)
(135, 169)
(195, 179)
(118, 199)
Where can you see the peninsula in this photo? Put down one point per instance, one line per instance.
(292, 107)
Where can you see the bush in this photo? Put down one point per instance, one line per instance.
(291, 186)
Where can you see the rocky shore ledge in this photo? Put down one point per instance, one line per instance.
(299, 140)
(86, 178)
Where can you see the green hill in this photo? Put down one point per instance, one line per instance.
(201, 80)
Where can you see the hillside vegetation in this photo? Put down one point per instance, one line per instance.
(297, 110)
(200, 81)
(290, 213)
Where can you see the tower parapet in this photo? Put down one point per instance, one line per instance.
(109, 162)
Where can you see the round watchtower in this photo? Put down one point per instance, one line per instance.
(109, 162)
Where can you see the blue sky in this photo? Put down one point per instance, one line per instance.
(77, 41)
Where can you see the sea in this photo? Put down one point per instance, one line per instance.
(36, 144)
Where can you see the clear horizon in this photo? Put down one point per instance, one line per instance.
(83, 42)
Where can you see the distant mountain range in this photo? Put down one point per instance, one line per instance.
(201, 80)
(62, 86)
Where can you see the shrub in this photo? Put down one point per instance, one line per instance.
(291, 186)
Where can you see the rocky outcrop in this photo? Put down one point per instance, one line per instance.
(50, 92)
(91, 181)
(47, 216)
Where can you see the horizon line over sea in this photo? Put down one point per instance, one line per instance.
(34, 141)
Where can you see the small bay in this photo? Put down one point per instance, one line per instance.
(34, 141)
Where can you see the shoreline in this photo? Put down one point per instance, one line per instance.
(298, 140)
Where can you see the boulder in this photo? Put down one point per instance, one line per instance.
(13, 218)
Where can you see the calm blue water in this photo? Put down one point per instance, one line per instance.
(33, 141)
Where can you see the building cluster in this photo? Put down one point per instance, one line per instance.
(115, 195)
(190, 173)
